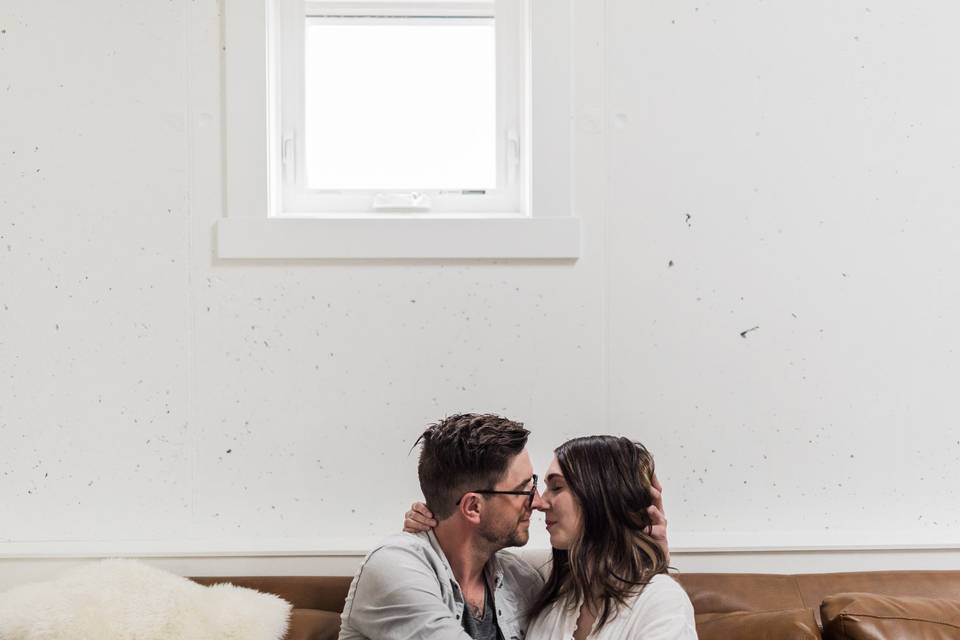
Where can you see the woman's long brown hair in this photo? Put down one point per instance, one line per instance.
(614, 556)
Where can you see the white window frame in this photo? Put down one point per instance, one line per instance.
(267, 219)
(510, 196)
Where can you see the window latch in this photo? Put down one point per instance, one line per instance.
(401, 202)
(288, 156)
(513, 156)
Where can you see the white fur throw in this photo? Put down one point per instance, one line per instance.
(129, 600)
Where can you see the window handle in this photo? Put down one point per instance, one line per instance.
(513, 156)
(402, 202)
(288, 155)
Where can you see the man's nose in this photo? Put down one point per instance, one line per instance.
(538, 503)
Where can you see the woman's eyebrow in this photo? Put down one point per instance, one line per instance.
(554, 476)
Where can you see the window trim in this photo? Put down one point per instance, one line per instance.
(298, 200)
(253, 229)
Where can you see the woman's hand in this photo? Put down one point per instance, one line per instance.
(419, 519)
(658, 518)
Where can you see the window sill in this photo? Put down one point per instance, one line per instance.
(398, 238)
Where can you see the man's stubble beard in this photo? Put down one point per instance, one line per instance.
(517, 536)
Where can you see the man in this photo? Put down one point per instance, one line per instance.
(455, 582)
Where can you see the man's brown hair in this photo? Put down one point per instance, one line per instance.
(465, 452)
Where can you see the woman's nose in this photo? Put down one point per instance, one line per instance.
(539, 503)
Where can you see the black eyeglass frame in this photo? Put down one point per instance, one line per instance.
(530, 494)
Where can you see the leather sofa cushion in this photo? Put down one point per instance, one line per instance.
(869, 616)
(313, 624)
(817, 587)
(790, 624)
(731, 592)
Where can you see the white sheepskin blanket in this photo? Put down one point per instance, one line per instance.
(129, 600)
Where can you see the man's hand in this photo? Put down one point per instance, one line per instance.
(419, 519)
(658, 518)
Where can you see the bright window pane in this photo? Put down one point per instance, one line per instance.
(408, 106)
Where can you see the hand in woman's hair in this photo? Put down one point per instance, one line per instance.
(420, 519)
(658, 518)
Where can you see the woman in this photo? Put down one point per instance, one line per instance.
(609, 576)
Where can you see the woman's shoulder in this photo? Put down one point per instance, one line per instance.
(665, 582)
(663, 588)
(661, 611)
(662, 596)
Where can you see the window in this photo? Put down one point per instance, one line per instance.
(387, 128)
(399, 106)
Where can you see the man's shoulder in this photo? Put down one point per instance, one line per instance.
(517, 569)
(401, 548)
(404, 541)
(397, 562)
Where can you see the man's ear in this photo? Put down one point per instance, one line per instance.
(470, 508)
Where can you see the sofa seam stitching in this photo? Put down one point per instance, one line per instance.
(874, 616)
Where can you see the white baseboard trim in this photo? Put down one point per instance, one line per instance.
(740, 544)
(19, 569)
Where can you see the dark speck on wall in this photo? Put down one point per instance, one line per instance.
(743, 334)
(688, 217)
(670, 264)
(229, 450)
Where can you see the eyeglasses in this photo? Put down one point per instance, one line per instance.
(529, 493)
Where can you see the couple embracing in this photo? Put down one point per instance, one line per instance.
(449, 578)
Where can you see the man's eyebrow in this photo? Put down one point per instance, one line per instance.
(524, 483)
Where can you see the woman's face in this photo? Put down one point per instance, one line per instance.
(561, 508)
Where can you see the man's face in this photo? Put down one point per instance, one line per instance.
(505, 520)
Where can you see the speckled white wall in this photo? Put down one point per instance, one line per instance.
(790, 167)
(155, 393)
(784, 184)
(95, 262)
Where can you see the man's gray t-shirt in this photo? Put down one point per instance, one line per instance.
(405, 590)
(484, 628)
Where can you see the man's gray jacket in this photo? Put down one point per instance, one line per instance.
(405, 590)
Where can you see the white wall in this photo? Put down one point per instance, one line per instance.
(814, 147)
(157, 400)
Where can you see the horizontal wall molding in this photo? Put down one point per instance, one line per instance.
(186, 548)
(681, 543)
(20, 570)
(821, 540)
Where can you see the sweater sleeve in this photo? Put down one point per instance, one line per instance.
(663, 612)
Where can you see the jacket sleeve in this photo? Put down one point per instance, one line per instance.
(397, 596)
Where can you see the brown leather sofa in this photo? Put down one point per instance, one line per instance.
(882, 605)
